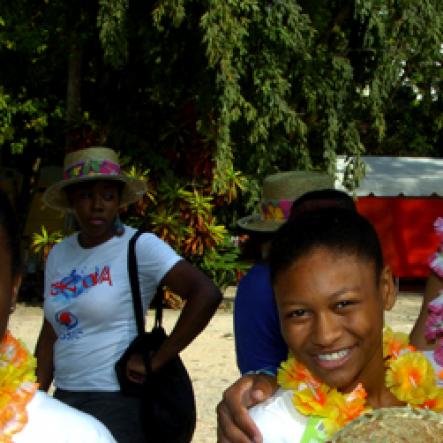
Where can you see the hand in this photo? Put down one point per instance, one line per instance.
(135, 368)
(234, 425)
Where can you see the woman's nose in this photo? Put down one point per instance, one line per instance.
(327, 329)
(97, 201)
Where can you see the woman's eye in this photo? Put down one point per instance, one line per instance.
(298, 313)
(343, 304)
(85, 194)
(108, 196)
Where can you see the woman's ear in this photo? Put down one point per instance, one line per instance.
(387, 288)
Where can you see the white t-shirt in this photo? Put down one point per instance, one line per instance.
(279, 421)
(51, 421)
(88, 302)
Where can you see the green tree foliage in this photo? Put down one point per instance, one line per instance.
(218, 90)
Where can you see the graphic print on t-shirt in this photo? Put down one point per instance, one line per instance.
(64, 292)
(69, 323)
(75, 284)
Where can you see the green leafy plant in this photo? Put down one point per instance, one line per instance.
(223, 265)
(43, 242)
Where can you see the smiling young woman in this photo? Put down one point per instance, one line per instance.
(331, 289)
(331, 309)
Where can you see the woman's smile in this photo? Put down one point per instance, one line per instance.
(333, 360)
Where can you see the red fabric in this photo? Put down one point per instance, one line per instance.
(405, 228)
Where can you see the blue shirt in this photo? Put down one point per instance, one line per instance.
(258, 340)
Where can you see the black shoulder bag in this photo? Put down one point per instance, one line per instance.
(167, 398)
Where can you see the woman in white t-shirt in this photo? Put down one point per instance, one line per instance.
(27, 414)
(89, 316)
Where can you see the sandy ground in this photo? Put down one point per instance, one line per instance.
(211, 358)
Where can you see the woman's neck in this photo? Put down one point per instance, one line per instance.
(383, 398)
(378, 394)
(86, 241)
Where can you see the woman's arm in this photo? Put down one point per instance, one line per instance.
(44, 351)
(434, 285)
(202, 299)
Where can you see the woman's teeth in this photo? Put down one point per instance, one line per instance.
(333, 355)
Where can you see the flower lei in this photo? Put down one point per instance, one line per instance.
(409, 376)
(17, 386)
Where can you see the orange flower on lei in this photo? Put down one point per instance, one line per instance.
(409, 376)
(17, 386)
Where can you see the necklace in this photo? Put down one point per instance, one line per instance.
(409, 376)
(17, 386)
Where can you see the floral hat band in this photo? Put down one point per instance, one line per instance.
(95, 163)
(275, 209)
(91, 167)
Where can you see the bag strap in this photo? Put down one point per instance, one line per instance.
(135, 289)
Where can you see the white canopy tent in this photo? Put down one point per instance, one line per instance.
(392, 176)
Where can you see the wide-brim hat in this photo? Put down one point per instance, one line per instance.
(393, 425)
(91, 164)
(278, 192)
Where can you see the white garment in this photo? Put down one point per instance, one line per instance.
(88, 302)
(51, 421)
(279, 421)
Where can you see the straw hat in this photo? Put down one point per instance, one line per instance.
(393, 425)
(95, 163)
(278, 193)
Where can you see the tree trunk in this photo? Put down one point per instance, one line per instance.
(73, 96)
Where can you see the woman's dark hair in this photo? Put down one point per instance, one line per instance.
(321, 198)
(8, 223)
(335, 228)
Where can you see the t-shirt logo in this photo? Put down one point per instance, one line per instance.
(69, 324)
(67, 319)
(75, 284)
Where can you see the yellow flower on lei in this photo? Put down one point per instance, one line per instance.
(17, 386)
(411, 378)
(291, 373)
(335, 408)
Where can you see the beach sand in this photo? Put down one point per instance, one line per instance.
(211, 357)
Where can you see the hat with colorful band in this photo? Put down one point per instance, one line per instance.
(92, 164)
(278, 193)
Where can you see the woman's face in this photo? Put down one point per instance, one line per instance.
(331, 312)
(95, 205)
(9, 284)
